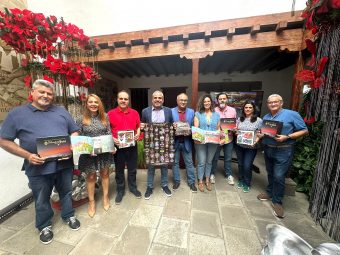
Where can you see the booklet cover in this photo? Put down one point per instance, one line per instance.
(92, 145)
(204, 136)
(182, 128)
(54, 147)
(228, 123)
(126, 138)
(246, 137)
(271, 127)
(198, 134)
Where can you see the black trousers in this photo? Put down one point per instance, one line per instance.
(128, 157)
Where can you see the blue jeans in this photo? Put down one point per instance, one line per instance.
(41, 186)
(187, 157)
(228, 152)
(245, 159)
(151, 175)
(277, 161)
(205, 154)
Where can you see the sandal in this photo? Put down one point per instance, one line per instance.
(106, 205)
(208, 184)
(201, 186)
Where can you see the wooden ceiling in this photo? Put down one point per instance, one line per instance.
(253, 60)
(255, 44)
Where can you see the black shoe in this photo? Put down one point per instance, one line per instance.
(46, 235)
(176, 186)
(166, 191)
(148, 193)
(136, 192)
(73, 223)
(119, 197)
(193, 188)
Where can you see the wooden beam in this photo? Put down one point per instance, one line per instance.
(147, 63)
(255, 29)
(231, 32)
(270, 19)
(297, 85)
(185, 38)
(290, 37)
(194, 82)
(281, 26)
(116, 65)
(139, 67)
(207, 35)
(128, 65)
(162, 66)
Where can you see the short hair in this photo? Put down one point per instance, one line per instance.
(123, 91)
(220, 94)
(44, 83)
(157, 91)
(181, 94)
(275, 95)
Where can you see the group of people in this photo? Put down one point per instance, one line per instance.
(43, 119)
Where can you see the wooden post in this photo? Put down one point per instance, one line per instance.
(297, 85)
(194, 87)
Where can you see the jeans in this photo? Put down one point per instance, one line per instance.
(277, 161)
(41, 186)
(227, 152)
(187, 157)
(151, 175)
(205, 154)
(245, 159)
(126, 156)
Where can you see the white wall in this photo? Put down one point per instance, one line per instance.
(272, 83)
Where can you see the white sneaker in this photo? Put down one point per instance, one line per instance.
(212, 179)
(230, 180)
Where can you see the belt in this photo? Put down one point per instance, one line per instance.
(279, 146)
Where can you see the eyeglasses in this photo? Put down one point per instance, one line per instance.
(273, 102)
(183, 100)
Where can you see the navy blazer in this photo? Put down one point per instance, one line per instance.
(147, 115)
(189, 117)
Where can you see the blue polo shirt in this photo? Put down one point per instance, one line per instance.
(27, 123)
(292, 122)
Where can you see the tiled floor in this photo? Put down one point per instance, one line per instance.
(223, 221)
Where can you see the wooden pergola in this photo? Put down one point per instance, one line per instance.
(281, 31)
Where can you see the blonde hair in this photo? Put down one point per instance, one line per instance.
(101, 111)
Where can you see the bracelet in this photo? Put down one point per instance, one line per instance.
(289, 136)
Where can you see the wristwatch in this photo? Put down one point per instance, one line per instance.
(289, 136)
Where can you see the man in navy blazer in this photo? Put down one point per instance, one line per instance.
(157, 113)
(183, 144)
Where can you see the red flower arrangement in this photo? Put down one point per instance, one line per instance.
(36, 36)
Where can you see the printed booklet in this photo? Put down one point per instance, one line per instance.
(54, 147)
(228, 123)
(126, 138)
(92, 145)
(246, 137)
(204, 136)
(182, 128)
(271, 127)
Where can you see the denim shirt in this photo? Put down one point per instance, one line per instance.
(203, 123)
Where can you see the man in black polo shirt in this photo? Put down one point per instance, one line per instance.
(28, 122)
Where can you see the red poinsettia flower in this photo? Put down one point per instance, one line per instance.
(27, 81)
(47, 78)
(309, 121)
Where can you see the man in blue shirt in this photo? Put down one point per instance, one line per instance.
(278, 150)
(28, 122)
(183, 144)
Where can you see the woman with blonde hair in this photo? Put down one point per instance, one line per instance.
(94, 122)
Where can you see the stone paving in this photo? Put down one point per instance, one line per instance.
(223, 221)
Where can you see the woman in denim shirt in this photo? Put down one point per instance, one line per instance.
(207, 119)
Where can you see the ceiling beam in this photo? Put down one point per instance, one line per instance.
(139, 67)
(124, 70)
(147, 63)
(290, 39)
(206, 27)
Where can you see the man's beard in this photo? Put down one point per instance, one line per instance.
(222, 106)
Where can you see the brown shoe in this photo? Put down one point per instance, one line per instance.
(208, 184)
(201, 186)
(278, 211)
(263, 197)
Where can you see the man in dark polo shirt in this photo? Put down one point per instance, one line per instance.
(278, 150)
(183, 144)
(28, 122)
(123, 118)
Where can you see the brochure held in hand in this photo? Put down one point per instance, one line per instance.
(126, 138)
(92, 145)
(204, 136)
(271, 127)
(54, 147)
